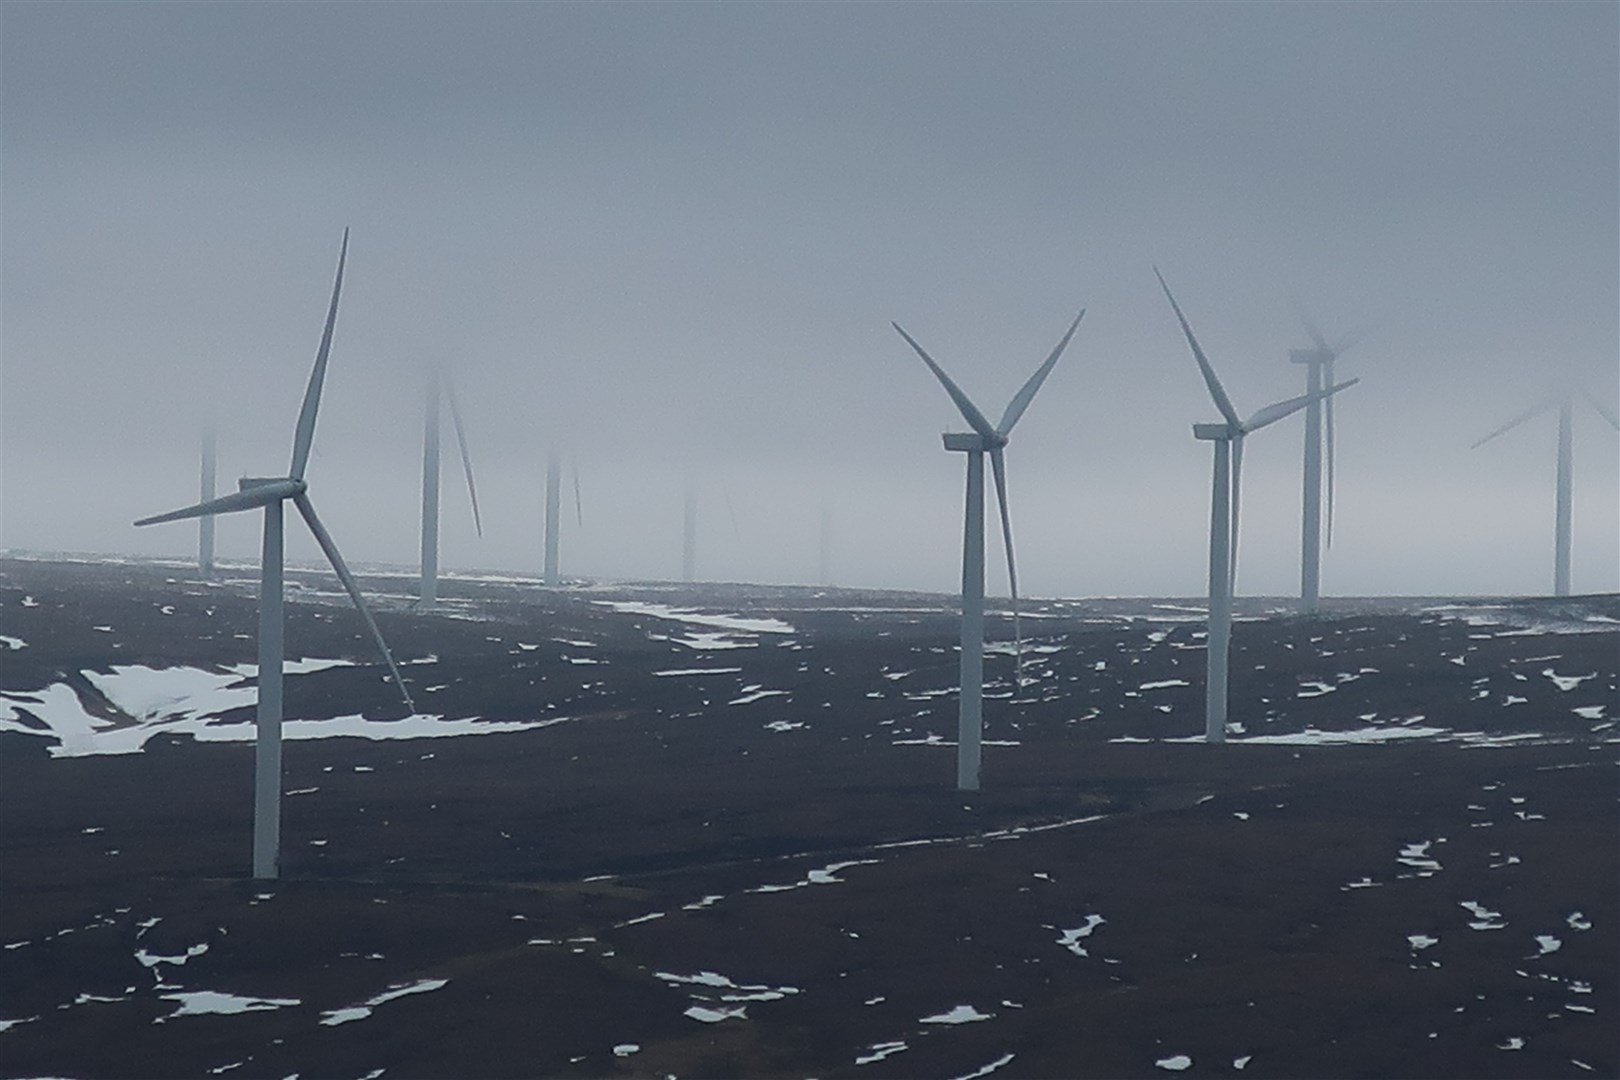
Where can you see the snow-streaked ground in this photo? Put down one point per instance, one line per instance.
(191, 701)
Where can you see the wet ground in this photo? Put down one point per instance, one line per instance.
(712, 831)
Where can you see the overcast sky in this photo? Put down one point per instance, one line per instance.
(668, 239)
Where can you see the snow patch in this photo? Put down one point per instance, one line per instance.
(1070, 939)
(986, 1070)
(879, 1051)
(698, 671)
(214, 1002)
(333, 1017)
(698, 618)
(961, 1014)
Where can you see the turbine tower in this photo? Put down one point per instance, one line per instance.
(270, 494)
(1319, 437)
(982, 440)
(824, 545)
(205, 489)
(553, 523)
(689, 533)
(1563, 503)
(428, 591)
(553, 515)
(1228, 438)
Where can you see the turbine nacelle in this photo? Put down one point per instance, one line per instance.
(1216, 432)
(1319, 355)
(970, 441)
(288, 488)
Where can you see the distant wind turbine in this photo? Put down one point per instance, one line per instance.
(983, 439)
(689, 523)
(553, 524)
(1319, 436)
(205, 489)
(824, 545)
(1564, 494)
(269, 494)
(689, 533)
(428, 592)
(1228, 438)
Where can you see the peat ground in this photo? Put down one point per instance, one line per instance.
(728, 844)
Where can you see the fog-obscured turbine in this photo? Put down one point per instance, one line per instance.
(269, 494)
(1224, 501)
(1319, 445)
(428, 591)
(982, 440)
(1563, 496)
(689, 532)
(553, 522)
(824, 544)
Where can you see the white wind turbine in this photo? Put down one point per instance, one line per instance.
(428, 592)
(1564, 494)
(983, 439)
(269, 494)
(1319, 438)
(1228, 438)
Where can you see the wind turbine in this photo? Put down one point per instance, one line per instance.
(983, 439)
(428, 592)
(1319, 436)
(1564, 500)
(554, 513)
(270, 494)
(1228, 438)
(824, 545)
(689, 523)
(689, 532)
(205, 525)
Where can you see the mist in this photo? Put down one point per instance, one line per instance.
(668, 241)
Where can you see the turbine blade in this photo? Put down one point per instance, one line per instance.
(970, 412)
(1211, 380)
(251, 499)
(466, 458)
(1021, 400)
(324, 538)
(1327, 405)
(1348, 343)
(998, 467)
(1528, 414)
(305, 433)
(1602, 410)
(1237, 498)
(1275, 412)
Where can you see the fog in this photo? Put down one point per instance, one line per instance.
(668, 240)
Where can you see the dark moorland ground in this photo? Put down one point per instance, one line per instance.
(763, 869)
